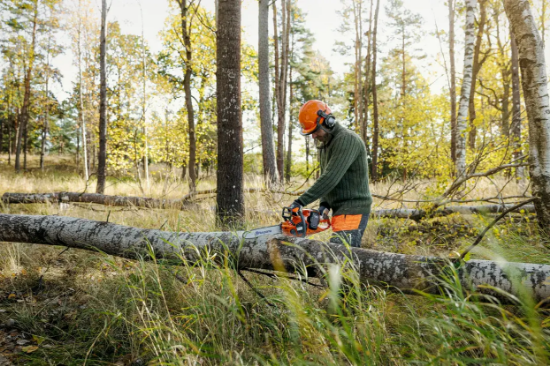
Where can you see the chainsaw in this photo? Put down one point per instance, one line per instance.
(296, 222)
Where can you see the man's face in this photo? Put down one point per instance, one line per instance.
(320, 135)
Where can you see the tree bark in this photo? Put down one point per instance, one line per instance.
(515, 128)
(366, 88)
(417, 215)
(535, 93)
(281, 74)
(475, 70)
(288, 165)
(130, 201)
(102, 155)
(376, 128)
(405, 272)
(46, 129)
(186, 35)
(268, 146)
(100, 199)
(462, 118)
(453, 79)
(357, 90)
(24, 116)
(230, 197)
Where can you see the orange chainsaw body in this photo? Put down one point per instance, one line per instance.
(296, 220)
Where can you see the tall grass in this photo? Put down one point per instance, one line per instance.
(86, 308)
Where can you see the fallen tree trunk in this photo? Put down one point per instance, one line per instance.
(417, 215)
(405, 272)
(100, 199)
(129, 201)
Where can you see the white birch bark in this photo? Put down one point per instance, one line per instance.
(280, 253)
(535, 93)
(132, 201)
(101, 199)
(462, 118)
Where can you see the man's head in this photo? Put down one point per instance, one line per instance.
(316, 120)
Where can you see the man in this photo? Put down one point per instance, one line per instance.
(343, 185)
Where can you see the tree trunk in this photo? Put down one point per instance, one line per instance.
(268, 146)
(462, 118)
(515, 128)
(281, 74)
(288, 165)
(102, 156)
(366, 90)
(453, 79)
(475, 70)
(46, 129)
(24, 116)
(280, 253)
(535, 93)
(376, 128)
(81, 107)
(357, 90)
(186, 34)
(144, 105)
(230, 197)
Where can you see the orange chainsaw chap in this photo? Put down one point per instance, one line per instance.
(289, 226)
(346, 222)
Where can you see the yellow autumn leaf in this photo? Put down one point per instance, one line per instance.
(11, 296)
(29, 349)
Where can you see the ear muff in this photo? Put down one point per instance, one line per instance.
(328, 119)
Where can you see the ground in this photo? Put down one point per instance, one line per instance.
(76, 307)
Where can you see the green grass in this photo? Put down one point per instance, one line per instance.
(86, 308)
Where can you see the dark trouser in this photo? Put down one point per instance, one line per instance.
(351, 236)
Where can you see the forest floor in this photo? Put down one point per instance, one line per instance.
(73, 307)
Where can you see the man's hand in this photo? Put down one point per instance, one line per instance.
(324, 210)
(294, 205)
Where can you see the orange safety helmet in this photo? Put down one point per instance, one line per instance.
(312, 115)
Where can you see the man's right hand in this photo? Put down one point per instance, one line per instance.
(324, 210)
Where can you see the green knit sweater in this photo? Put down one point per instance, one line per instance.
(344, 181)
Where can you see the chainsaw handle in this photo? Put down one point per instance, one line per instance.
(301, 226)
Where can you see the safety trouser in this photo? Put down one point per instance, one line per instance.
(348, 229)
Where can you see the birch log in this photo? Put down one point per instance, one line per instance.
(100, 199)
(462, 118)
(130, 201)
(270, 252)
(418, 215)
(535, 92)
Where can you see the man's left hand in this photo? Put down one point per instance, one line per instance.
(296, 204)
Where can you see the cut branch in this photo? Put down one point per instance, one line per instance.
(279, 253)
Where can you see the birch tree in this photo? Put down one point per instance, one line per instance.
(535, 92)
(268, 146)
(376, 129)
(281, 75)
(515, 128)
(462, 117)
(452, 91)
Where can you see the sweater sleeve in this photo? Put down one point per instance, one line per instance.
(343, 154)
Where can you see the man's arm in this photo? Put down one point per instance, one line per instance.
(345, 151)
